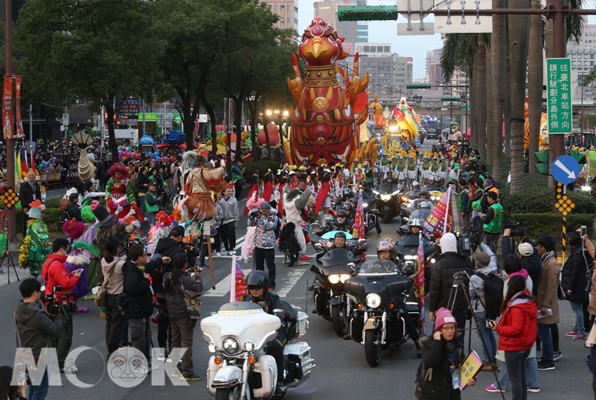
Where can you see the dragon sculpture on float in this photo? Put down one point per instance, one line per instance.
(326, 120)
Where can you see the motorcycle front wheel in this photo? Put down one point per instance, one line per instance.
(387, 217)
(339, 320)
(372, 347)
(232, 393)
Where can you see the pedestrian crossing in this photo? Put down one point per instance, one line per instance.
(285, 283)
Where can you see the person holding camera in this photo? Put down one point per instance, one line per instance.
(35, 329)
(265, 240)
(450, 263)
(176, 283)
(137, 298)
(59, 283)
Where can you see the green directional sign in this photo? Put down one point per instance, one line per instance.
(558, 87)
(367, 13)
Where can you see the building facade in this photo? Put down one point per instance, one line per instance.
(287, 10)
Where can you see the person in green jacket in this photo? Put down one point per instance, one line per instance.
(493, 221)
(152, 201)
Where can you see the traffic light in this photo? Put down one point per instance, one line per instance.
(367, 13)
(542, 165)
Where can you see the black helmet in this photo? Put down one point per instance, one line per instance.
(340, 235)
(259, 279)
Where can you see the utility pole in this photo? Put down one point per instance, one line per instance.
(9, 138)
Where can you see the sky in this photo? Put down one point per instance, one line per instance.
(385, 32)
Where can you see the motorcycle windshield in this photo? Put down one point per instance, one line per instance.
(421, 213)
(244, 321)
(387, 188)
(378, 267)
(337, 260)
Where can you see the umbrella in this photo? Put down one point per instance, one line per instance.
(331, 235)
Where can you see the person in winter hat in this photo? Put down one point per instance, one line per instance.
(441, 281)
(485, 262)
(528, 257)
(442, 353)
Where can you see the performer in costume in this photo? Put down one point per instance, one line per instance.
(198, 183)
(36, 246)
(120, 196)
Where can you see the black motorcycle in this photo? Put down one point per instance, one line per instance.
(406, 250)
(332, 269)
(388, 201)
(380, 292)
(371, 215)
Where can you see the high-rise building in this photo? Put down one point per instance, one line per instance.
(389, 73)
(434, 73)
(583, 59)
(287, 10)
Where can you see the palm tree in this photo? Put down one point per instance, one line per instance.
(535, 74)
(518, 31)
(499, 81)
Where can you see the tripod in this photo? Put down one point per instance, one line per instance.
(459, 285)
(10, 263)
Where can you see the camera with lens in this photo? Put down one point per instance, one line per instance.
(459, 278)
(517, 229)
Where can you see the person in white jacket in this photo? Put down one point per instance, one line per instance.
(294, 202)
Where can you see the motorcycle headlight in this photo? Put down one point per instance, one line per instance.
(212, 348)
(435, 198)
(230, 345)
(404, 199)
(432, 260)
(385, 197)
(364, 205)
(410, 257)
(344, 277)
(249, 346)
(334, 279)
(373, 300)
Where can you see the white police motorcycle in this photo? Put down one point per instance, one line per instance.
(239, 368)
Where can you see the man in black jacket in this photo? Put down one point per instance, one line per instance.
(35, 330)
(29, 192)
(138, 301)
(441, 282)
(72, 209)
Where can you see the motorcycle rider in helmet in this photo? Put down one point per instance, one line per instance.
(369, 197)
(257, 284)
(342, 223)
(415, 226)
(386, 252)
(339, 241)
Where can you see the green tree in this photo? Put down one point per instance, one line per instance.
(518, 31)
(96, 50)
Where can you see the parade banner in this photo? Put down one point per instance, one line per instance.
(419, 284)
(20, 132)
(358, 219)
(440, 220)
(7, 108)
(238, 285)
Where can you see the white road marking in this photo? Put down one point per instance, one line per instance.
(288, 282)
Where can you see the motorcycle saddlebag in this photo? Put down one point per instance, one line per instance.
(299, 362)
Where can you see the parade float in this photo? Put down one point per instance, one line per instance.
(327, 116)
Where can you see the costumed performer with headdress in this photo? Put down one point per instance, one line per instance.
(36, 246)
(120, 196)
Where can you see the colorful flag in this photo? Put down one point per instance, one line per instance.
(20, 132)
(359, 219)
(440, 220)
(17, 166)
(7, 109)
(419, 284)
(238, 283)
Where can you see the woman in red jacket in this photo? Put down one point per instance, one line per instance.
(517, 330)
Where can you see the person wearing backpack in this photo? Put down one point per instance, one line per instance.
(438, 374)
(178, 284)
(486, 295)
(529, 258)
